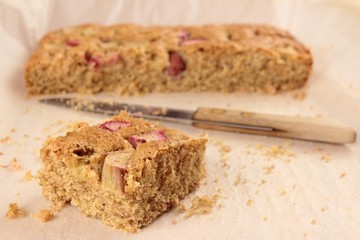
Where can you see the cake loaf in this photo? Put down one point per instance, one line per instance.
(125, 171)
(132, 59)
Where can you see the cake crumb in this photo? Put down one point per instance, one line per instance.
(283, 193)
(278, 151)
(300, 95)
(56, 207)
(275, 151)
(202, 205)
(28, 176)
(5, 139)
(281, 152)
(4, 166)
(14, 211)
(43, 215)
(181, 207)
(216, 180)
(13, 130)
(343, 174)
(250, 202)
(287, 161)
(322, 209)
(313, 222)
(268, 169)
(173, 222)
(264, 219)
(237, 180)
(223, 149)
(326, 158)
(15, 164)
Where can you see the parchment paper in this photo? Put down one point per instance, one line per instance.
(307, 191)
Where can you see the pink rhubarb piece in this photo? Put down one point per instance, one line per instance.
(158, 135)
(115, 125)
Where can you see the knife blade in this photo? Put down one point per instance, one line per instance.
(303, 128)
(147, 112)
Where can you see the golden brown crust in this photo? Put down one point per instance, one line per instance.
(157, 175)
(132, 59)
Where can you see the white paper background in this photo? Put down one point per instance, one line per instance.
(331, 30)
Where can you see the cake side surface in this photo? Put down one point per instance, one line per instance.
(155, 173)
(131, 59)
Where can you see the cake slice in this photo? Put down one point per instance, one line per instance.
(125, 171)
(132, 59)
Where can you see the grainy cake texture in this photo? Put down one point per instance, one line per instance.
(132, 59)
(14, 211)
(125, 171)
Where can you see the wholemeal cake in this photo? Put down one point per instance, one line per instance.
(131, 59)
(125, 171)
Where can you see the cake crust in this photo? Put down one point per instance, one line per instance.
(131, 59)
(156, 175)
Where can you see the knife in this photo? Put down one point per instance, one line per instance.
(303, 128)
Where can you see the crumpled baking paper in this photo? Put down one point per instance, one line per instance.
(269, 188)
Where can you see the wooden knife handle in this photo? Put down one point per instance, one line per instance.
(304, 128)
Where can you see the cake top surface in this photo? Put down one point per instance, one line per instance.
(90, 144)
(110, 38)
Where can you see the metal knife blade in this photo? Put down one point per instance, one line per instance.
(148, 112)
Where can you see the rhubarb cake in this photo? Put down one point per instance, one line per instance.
(125, 171)
(131, 59)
